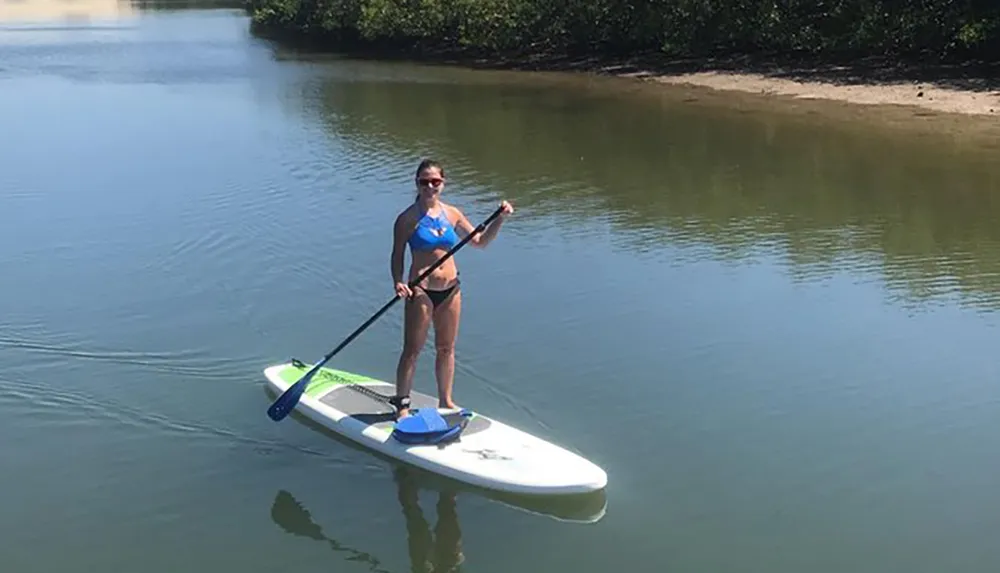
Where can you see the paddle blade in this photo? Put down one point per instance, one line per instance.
(289, 398)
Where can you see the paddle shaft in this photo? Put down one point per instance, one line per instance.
(413, 283)
(290, 397)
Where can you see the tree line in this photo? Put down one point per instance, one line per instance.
(939, 29)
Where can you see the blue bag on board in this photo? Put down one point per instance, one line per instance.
(428, 426)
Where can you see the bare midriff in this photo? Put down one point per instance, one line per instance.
(442, 277)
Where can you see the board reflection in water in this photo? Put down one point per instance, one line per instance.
(436, 547)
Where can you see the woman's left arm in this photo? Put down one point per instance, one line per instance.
(481, 240)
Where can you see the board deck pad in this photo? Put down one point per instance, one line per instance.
(365, 408)
(367, 399)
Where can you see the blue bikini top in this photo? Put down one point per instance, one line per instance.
(433, 233)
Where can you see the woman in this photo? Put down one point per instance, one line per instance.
(431, 228)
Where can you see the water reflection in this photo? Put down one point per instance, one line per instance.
(293, 518)
(431, 547)
(437, 550)
(918, 214)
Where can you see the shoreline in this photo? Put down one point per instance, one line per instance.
(924, 95)
(969, 89)
(958, 89)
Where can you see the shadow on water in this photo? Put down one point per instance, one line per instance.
(579, 508)
(918, 211)
(430, 549)
(289, 514)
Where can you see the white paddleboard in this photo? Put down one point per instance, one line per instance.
(488, 454)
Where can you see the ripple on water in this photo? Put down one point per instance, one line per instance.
(46, 407)
(54, 351)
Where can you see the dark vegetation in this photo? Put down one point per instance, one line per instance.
(953, 43)
(913, 30)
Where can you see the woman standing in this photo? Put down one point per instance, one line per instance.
(431, 228)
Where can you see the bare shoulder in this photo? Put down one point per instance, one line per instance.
(406, 216)
(455, 215)
(458, 220)
(404, 224)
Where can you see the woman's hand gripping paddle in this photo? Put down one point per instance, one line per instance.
(289, 398)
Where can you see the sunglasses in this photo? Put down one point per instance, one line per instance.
(432, 181)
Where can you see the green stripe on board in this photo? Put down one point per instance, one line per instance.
(325, 379)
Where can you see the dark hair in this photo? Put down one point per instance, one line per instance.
(427, 164)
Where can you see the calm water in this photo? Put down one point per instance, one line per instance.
(780, 339)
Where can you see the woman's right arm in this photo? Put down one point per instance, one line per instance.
(397, 258)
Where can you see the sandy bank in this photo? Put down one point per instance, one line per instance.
(971, 88)
(953, 100)
(912, 93)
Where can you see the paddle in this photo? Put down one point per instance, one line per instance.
(289, 398)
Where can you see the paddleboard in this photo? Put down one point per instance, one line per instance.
(488, 454)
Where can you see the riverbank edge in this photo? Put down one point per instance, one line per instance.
(959, 88)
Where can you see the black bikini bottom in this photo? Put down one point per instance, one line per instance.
(439, 296)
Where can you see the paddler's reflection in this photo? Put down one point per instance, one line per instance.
(437, 551)
(440, 551)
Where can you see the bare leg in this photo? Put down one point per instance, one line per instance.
(416, 320)
(446, 318)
